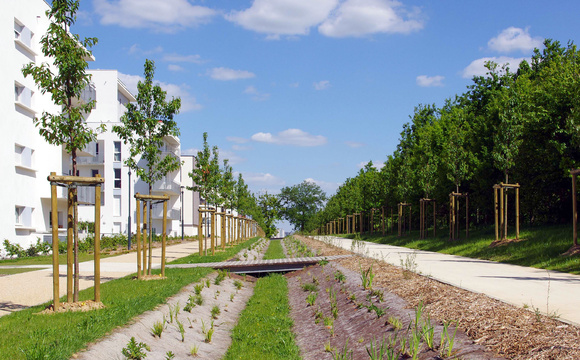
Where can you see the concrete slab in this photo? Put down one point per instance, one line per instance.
(551, 292)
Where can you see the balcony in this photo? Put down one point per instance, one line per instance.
(169, 187)
(86, 195)
(88, 94)
(172, 214)
(91, 156)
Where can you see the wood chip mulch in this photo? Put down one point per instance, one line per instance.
(509, 331)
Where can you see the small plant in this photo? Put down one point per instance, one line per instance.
(328, 347)
(447, 341)
(311, 298)
(135, 350)
(323, 262)
(377, 350)
(238, 284)
(203, 327)
(169, 355)
(339, 276)
(414, 344)
(309, 287)
(352, 297)
(194, 350)
(209, 333)
(345, 354)
(428, 332)
(220, 277)
(367, 277)
(215, 311)
(158, 328)
(181, 329)
(318, 315)
(315, 281)
(198, 300)
(379, 294)
(334, 311)
(232, 297)
(207, 283)
(409, 265)
(198, 288)
(216, 294)
(395, 323)
(190, 304)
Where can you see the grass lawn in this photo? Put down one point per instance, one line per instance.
(47, 259)
(17, 271)
(274, 251)
(26, 335)
(264, 330)
(540, 249)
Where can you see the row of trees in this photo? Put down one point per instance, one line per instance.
(520, 126)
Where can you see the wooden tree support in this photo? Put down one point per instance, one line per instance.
(501, 201)
(201, 235)
(401, 219)
(423, 203)
(70, 182)
(148, 200)
(454, 215)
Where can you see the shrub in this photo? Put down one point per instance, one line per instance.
(13, 249)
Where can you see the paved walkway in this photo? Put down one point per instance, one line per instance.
(22, 290)
(549, 291)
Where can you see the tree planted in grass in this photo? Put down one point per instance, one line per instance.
(66, 84)
(144, 126)
(301, 202)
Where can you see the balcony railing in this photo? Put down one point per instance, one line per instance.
(172, 214)
(95, 158)
(166, 185)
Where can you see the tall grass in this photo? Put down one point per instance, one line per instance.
(26, 335)
(264, 330)
(274, 251)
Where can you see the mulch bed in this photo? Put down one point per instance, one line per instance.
(509, 331)
(356, 324)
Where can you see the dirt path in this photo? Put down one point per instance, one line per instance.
(509, 331)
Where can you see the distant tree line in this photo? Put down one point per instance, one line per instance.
(512, 127)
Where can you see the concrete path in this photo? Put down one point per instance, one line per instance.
(551, 292)
(22, 290)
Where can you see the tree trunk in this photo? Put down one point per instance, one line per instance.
(75, 230)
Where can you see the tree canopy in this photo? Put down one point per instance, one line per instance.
(301, 202)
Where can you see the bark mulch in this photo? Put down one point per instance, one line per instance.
(509, 331)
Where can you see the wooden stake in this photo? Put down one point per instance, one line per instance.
(163, 238)
(138, 232)
(97, 259)
(69, 247)
(55, 268)
(200, 233)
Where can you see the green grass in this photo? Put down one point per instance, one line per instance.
(17, 271)
(264, 330)
(274, 251)
(26, 335)
(541, 249)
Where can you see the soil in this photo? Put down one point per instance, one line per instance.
(509, 331)
(111, 346)
(88, 305)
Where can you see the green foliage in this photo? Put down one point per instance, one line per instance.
(206, 174)
(144, 126)
(301, 202)
(135, 350)
(271, 212)
(274, 250)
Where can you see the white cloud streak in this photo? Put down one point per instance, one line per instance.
(354, 144)
(477, 67)
(295, 137)
(430, 81)
(321, 85)
(195, 59)
(328, 187)
(162, 16)
(514, 39)
(355, 18)
(225, 74)
(188, 101)
(256, 95)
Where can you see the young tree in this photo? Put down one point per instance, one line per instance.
(206, 175)
(301, 202)
(270, 208)
(65, 85)
(144, 126)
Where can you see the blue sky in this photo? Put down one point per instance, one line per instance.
(311, 89)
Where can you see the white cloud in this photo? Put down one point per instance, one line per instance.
(363, 17)
(376, 164)
(477, 67)
(196, 59)
(328, 187)
(237, 140)
(240, 147)
(321, 85)
(231, 156)
(188, 101)
(256, 95)
(163, 16)
(173, 67)
(294, 137)
(430, 81)
(261, 179)
(514, 39)
(283, 17)
(225, 74)
(190, 151)
(136, 49)
(354, 144)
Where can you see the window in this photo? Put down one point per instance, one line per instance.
(117, 152)
(23, 216)
(117, 205)
(23, 156)
(23, 95)
(60, 219)
(19, 210)
(94, 172)
(96, 149)
(117, 178)
(22, 34)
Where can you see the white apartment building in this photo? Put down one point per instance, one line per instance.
(27, 159)
(191, 200)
